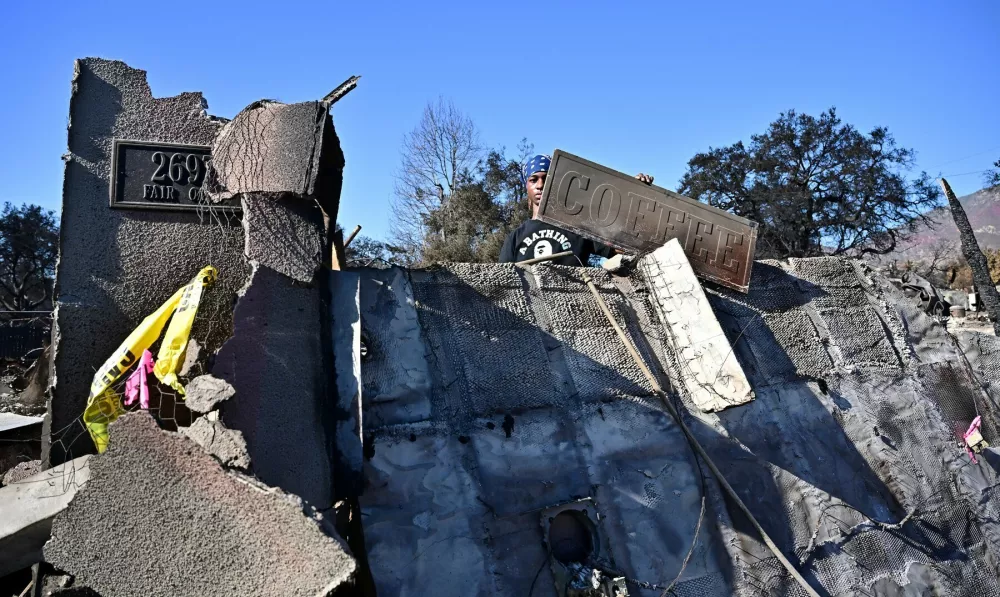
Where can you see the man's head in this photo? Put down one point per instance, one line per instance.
(534, 172)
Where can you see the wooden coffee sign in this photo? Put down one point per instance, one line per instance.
(161, 176)
(633, 217)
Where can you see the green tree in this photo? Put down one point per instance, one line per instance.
(490, 203)
(29, 244)
(816, 186)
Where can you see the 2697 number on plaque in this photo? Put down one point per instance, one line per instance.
(162, 176)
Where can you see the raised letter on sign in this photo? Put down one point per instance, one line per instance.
(669, 226)
(725, 260)
(702, 238)
(639, 207)
(597, 202)
(564, 186)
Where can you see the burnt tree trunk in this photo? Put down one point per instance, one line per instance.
(974, 256)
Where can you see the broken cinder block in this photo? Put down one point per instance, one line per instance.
(205, 392)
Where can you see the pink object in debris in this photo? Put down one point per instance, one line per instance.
(973, 430)
(136, 386)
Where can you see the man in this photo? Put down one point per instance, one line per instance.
(534, 238)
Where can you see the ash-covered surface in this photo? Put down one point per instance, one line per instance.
(520, 400)
(117, 266)
(160, 517)
(531, 403)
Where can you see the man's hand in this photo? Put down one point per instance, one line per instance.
(644, 178)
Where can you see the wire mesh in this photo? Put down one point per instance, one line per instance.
(166, 405)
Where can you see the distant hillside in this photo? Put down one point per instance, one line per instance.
(983, 209)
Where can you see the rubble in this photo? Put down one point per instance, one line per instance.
(116, 266)
(276, 148)
(275, 363)
(270, 223)
(29, 505)
(22, 470)
(160, 517)
(462, 420)
(206, 392)
(227, 445)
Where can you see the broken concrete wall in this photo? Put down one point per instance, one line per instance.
(160, 517)
(492, 393)
(283, 165)
(117, 266)
(275, 363)
(859, 398)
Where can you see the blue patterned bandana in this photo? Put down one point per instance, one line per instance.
(539, 163)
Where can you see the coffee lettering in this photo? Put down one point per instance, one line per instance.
(727, 260)
(701, 238)
(638, 208)
(671, 224)
(564, 187)
(615, 209)
(600, 199)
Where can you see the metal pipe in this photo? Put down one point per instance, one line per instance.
(545, 258)
(357, 229)
(690, 437)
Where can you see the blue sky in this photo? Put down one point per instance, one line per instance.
(637, 86)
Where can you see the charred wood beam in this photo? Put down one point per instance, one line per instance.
(974, 256)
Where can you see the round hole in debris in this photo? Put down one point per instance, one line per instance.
(364, 345)
(570, 537)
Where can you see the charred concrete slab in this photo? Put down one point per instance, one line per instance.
(396, 377)
(530, 407)
(710, 372)
(275, 363)
(29, 505)
(532, 404)
(117, 266)
(161, 517)
(275, 148)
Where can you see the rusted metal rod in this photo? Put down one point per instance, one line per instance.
(690, 437)
(341, 90)
(545, 258)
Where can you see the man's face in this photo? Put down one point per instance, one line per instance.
(535, 183)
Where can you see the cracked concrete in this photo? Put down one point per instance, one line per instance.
(205, 392)
(225, 444)
(211, 532)
(274, 361)
(710, 372)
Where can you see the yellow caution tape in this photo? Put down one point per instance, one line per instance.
(175, 341)
(104, 404)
